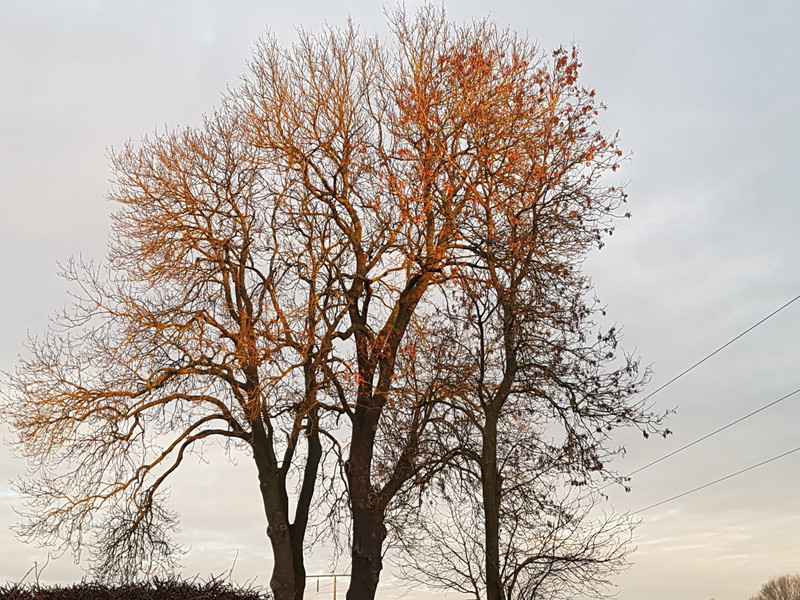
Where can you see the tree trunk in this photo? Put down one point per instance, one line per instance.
(276, 506)
(297, 530)
(366, 509)
(368, 503)
(368, 534)
(490, 481)
(282, 583)
(299, 568)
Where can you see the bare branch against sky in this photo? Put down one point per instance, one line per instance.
(704, 95)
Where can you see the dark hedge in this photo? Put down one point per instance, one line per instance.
(159, 589)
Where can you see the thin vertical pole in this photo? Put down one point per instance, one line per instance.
(335, 577)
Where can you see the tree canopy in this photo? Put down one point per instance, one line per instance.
(364, 271)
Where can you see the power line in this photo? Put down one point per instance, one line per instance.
(721, 348)
(702, 487)
(732, 423)
(713, 433)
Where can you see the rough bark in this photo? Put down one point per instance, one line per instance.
(368, 534)
(273, 494)
(286, 538)
(368, 527)
(491, 507)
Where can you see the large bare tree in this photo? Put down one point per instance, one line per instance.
(533, 387)
(205, 323)
(459, 165)
(370, 252)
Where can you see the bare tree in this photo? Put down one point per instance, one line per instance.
(552, 549)
(204, 325)
(459, 158)
(341, 121)
(534, 387)
(531, 405)
(784, 587)
(370, 252)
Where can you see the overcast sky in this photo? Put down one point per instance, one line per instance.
(706, 94)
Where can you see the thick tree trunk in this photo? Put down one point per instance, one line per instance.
(367, 511)
(368, 503)
(288, 579)
(282, 583)
(490, 480)
(368, 534)
(272, 485)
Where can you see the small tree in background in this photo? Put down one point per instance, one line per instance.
(784, 587)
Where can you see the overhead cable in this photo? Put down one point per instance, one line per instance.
(721, 348)
(697, 364)
(702, 487)
(715, 432)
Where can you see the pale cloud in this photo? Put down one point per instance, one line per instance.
(703, 93)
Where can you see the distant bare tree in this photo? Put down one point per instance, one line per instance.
(785, 587)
